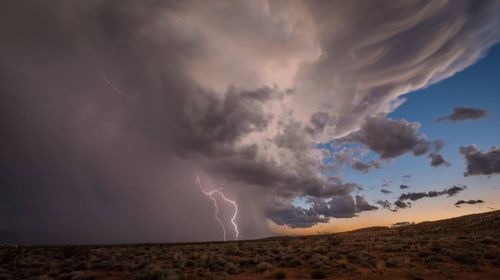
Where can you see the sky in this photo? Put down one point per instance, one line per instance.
(437, 100)
(174, 121)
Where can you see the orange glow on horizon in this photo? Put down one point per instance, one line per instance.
(421, 213)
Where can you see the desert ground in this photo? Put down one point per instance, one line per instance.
(460, 248)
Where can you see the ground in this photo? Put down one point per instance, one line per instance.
(461, 248)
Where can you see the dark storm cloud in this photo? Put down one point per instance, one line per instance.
(100, 113)
(419, 195)
(481, 163)
(437, 160)
(319, 121)
(294, 217)
(392, 138)
(108, 109)
(470, 201)
(282, 182)
(404, 187)
(343, 206)
(211, 125)
(464, 113)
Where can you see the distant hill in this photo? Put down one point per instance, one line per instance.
(466, 247)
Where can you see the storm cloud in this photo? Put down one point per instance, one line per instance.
(345, 206)
(392, 138)
(460, 114)
(109, 109)
(342, 206)
(359, 71)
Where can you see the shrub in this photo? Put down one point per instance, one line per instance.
(318, 274)
(81, 275)
(9, 255)
(156, 273)
(380, 265)
(436, 247)
(232, 268)
(5, 276)
(280, 274)
(391, 262)
(73, 251)
(263, 267)
(423, 254)
(466, 257)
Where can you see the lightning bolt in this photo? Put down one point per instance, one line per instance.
(217, 217)
(110, 84)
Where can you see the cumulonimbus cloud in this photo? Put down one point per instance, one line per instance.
(141, 94)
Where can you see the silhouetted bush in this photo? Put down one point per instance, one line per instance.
(318, 274)
(280, 274)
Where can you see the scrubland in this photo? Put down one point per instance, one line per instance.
(460, 248)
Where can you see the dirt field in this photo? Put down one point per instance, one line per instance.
(460, 248)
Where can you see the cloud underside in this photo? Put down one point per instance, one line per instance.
(127, 100)
(392, 138)
(345, 206)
